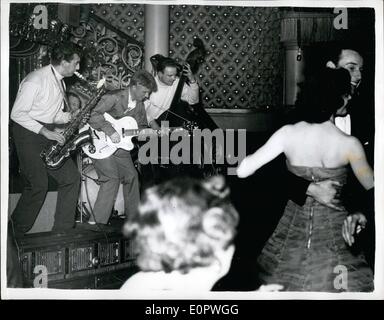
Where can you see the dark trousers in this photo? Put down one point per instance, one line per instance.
(113, 171)
(28, 146)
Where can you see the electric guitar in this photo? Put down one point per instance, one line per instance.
(102, 146)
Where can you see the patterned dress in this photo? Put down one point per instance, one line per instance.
(307, 252)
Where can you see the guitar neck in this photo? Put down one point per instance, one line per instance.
(131, 132)
(136, 132)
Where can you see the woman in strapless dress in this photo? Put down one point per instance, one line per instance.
(307, 251)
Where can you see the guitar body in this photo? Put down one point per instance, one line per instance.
(102, 147)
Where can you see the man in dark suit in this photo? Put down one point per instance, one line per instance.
(359, 122)
(119, 167)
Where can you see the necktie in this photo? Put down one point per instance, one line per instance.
(67, 107)
(61, 85)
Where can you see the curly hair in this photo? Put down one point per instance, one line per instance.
(168, 230)
(321, 96)
(145, 79)
(64, 51)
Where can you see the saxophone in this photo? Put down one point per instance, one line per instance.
(54, 155)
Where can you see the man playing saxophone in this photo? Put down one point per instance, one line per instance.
(39, 108)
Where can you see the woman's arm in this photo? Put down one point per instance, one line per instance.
(269, 151)
(359, 163)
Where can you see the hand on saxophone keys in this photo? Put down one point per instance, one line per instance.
(52, 135)
(85, 118)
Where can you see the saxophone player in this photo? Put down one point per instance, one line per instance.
(40, 106)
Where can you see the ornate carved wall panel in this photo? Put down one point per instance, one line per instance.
(107, 54)
(28, 45)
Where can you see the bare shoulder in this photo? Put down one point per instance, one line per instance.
(353, 145)
(288, 128)
(298, 126)
(283, 132)
(352, 141)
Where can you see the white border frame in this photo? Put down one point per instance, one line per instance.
(8, 293)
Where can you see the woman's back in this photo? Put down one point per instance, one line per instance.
(307, 244)
(316, 145)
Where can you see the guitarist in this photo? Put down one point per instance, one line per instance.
(167, 83)
(119, 167)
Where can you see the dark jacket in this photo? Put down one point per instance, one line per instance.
(116, 104)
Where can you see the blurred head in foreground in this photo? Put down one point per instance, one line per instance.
(184, 224)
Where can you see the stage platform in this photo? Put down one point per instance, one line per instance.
(86, 257)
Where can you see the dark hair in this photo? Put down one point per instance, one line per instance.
(145, 79)
(322, 95)
(64, 51)
(166, 62)
(334, 50)
(75, 95)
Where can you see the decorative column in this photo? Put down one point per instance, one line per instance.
(293, 71)
(299, 30)
(156, 32)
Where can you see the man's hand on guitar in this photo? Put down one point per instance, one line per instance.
(115, 138)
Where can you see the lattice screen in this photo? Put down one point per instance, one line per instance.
(244, 64)
(129, 18)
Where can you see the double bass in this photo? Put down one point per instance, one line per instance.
(180, 111)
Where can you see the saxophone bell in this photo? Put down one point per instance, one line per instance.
(54, 160)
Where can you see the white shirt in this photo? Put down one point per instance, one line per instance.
(344, 124)
(131, 103)
(161, 100)
(39, 99)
